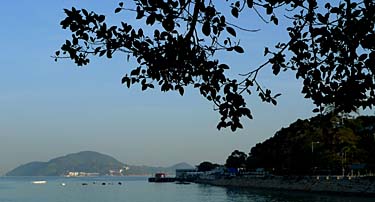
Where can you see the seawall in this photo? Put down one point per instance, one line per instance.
(359, 186)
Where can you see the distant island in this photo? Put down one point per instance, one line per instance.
(88, 163)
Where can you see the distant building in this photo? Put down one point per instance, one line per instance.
(183, 172)
(116, 172)
(216, 173)
(81, 174)
(186, 174)
(233, 171)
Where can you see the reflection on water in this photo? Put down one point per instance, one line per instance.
(139, 190)
(262, 195)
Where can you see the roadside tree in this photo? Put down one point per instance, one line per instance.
(236, 160)
(206, 166)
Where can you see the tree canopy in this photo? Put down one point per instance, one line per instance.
(330, 47)
(236, 160)
(206, 166)
(326, 143)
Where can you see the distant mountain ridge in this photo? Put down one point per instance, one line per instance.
(89, 162)
(149, 170)
(85, 161)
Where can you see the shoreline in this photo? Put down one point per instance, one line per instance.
(328, 185)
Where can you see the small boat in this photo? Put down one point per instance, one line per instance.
(39, 182)
(63, 184)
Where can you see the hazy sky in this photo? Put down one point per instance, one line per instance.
(48, 109)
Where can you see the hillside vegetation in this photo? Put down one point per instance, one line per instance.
(86, 161)
(323, 143)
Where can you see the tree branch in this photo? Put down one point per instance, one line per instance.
(194, 20)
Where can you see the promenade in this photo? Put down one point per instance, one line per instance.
(328, 184)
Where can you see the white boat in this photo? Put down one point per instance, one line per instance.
(39, 182)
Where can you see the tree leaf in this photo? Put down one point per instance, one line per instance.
(276, 69)
(102, 52)
(124, 79)
(144, 87)
(266, 51)
(335, 10)
(231, 31)
(206, 28)
(250, 3)
(321, 18)
(274, 20)
(274, 102)
(181, 91)
(84, 11)
(135, 72)
(269, 9)
(235, 12)
(101, 18)
(223, 66)
(140, 13)
(117, 10)
(238, 49)
(150, 19)
(168, 24)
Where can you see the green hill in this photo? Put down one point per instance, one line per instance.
(326, 143)
(85, 161)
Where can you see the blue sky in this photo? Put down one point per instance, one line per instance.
(48, 109)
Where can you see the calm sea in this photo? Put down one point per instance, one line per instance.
(137, 189)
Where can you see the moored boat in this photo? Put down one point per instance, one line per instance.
(39, 182)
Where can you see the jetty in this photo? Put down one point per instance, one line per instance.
(161, 177)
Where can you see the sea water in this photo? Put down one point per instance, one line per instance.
(137, 189)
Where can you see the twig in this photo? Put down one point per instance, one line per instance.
(243, 29)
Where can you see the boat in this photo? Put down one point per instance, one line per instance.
(39, 182)
(161, 177)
